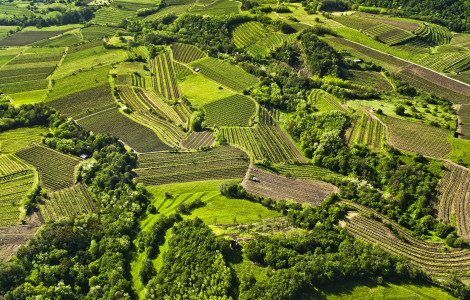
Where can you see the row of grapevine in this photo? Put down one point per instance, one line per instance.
(366, 131)
(12, 189)
(134, 80)
(153, 116)
(186, 53)
(55, 169)
(218, 163)
(434, 34)
(10, 164)
(197, 140)
(235, 110)
(67, 202)
(249, 33)
(165, 77)
(389, 34)
(427, 255)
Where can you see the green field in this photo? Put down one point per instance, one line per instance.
(236, 110)
(201, 90)
(368, 131)
(186, 53)
(224, 73)
(16, 139)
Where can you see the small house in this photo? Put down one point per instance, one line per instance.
(197, 70)
(84, 156)
(357, 61)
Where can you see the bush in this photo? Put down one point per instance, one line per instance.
(400, 110)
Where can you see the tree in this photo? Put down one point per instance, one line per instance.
(147, 271)
(400, 110)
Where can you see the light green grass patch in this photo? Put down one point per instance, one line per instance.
(201, 90)
(460, 150)
(52, 28)
(28, 97)
(131, 67)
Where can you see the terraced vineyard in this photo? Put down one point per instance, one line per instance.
(249, 33)
(219, 163)
(446, 62)
(86, 102)
(270, 42)
(224, 73)
(110, 16)
(137, 136)
(366, 131)
(302, 171)
(10, 164)
(388, 34)
(197, 140)
(454, 196)
(356, 22)
(134, 80)
(181, 71)
(370, 78)
(186, 53)
(66, 203)
(434, 34)
(218, 7)
(148, 109)
(13, 187)
(165, 77)
(236, 110)
(278, 187)
(325, 101)
(418, 138)
(56, 170)
(426, 255)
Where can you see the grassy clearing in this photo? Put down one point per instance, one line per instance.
(28, 97)
(200, 90)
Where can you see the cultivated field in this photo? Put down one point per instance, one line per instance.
(13, 186)
(56, 170)
(224, 73)
(278, 187)
(370, 79)
(15, 139)
(249, 33)
(236, 110)
(148, 109)
(389, 34)
(367, 131)
(219, 7)
(23, 38)
(165, 77)
(186, 53)
(418, 138)
(135, 135)
(67, 202)
(426, 255)
(218, 163)
(86, 102)
(464, 120)
(197, 140)
(325, 101)
(14, 237)
(454, 197)
(302, 171)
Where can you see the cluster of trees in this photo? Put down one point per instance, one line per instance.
(69, 15)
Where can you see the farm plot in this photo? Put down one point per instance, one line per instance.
(165, 78)
(454, 197)
(356, 22)
(155, 114)
(219, 163)
(111, 16)
(55, 169)
(9, 164)
(219, 7)
(370, 78)
(464, 120)
(263, 141)
(435, 83)
(14, 139)
(14, 237)
(408, 26)
(418, 138)
(134, 80)
(235, 110)
(324, 101)
(85, 102)
(249, 33)
(67, 202)
(461, 40)
(303, 171)
(388, 34)
(446, 62)
(426, 255)
(137, 136)
(224, 73)
(434, 34)
(278, 187)
(96, 32)
(366, 131)
(181, 71)
(13, 187)
(197, 140)
(186, 53)
(23, 38)
(270, 42)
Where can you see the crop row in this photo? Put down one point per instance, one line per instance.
(23, 38)
(186, 53)
(453, 194)
(388, 34)
(152, 101)
(428, 86)
(55, 169)
(197, 140)
(434, 34)
(304, 171)
(183, 111)
(134, 134)
(12, 189)
(249, 33)
(226, 74)
(110, 16)
(133, 79)
(443, 61)
(235, 110)
(165, 78)
(10, 164)
(370, 78)
(262, 142)
(356, 22)
(366, 131)
(218, 163)
(464, 116)
(270, 42)
(181, 70)
(67, 202)
(84, 102)
(219, 7)
(151, 116)
(418, 138)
